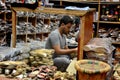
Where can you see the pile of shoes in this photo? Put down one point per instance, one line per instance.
(13, 68)
(113, 33)
(41, 57)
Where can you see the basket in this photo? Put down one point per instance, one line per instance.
(92, 69)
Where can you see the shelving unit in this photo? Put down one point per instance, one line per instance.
(5, 24)
(24, 22)
(109, 24)
(86, 30)
(106, 24)
(34, 25)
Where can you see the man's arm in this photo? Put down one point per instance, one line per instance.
(64, 51)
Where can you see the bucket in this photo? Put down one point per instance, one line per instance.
(92, 69)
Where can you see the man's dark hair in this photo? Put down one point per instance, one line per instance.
(66, 19)
(77, 20)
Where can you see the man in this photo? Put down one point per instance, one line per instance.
(57, 41)
(77, 24)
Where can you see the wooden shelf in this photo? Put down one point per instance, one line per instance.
(55, 11)
(27, 34)
(108, 22)
(34, 33)
(116, 43)
(101, 2)
(87, 2)
(43, 33)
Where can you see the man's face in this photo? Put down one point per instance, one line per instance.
(67, 28)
